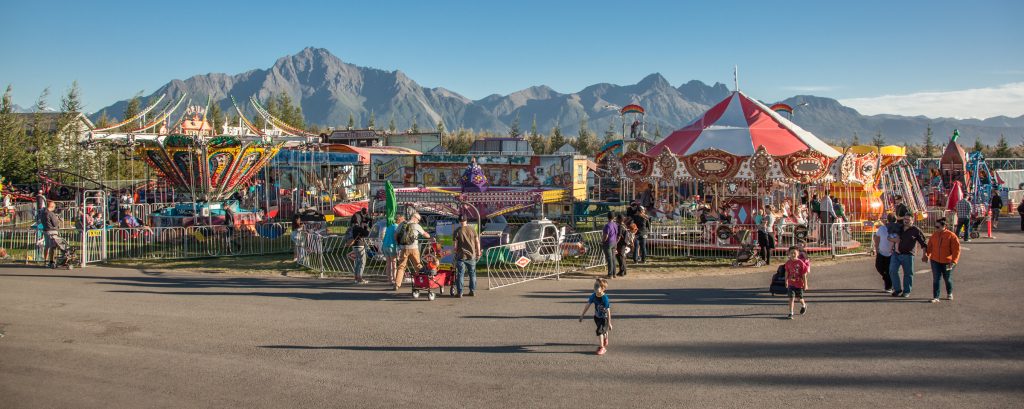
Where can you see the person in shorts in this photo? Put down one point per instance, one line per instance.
(602, 313)
(796, 280)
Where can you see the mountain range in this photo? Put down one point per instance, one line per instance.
(329, 90)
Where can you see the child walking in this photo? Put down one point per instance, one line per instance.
(796, 280)
(602, 313)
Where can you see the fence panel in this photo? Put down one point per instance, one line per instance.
(581, 251)
(851, 238)
(517, 263)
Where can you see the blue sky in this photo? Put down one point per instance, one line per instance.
(850, 50)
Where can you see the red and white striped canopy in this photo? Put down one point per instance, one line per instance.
(739, 125)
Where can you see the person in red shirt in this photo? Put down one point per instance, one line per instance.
(796, 280)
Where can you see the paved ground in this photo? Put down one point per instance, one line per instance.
(123, 338)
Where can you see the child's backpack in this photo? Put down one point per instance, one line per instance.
(778, 284)
(406, 235)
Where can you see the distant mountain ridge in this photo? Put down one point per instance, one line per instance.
(330, 89)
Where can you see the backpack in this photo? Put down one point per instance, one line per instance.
(629, 237)
(406, 235)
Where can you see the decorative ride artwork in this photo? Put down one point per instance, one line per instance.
(805, 166)
(668, 164)
(713, 164)
(637, 165)
(761, 164)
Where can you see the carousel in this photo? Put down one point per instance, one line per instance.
(741, 158)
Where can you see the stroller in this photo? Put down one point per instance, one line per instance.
(68, 256)
(431, 276)
(747, 251)
(977, 219)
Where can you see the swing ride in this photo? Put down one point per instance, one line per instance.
(204, 169)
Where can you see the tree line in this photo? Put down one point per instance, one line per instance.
(930, 148)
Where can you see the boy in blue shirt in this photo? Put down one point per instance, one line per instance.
(602, 313)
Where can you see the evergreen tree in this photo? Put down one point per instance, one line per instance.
(978, 146)
(533, 127)
(43, 142)
(373, 120)
(1002, 148)
(216, 118)
(289, 112)
(557, 139)
(878, 140)
(104, 120)
(14, 164)
(351, 121)
(514, 131)
(657, 132)
(415, 125)
(856, 140)
(391, 123)
(929, 144)
(69, 152)
(586, 141)
(133, 108)
(440, 127)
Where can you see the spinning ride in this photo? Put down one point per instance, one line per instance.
(205, 168)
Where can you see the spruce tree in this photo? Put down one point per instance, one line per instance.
(216, 118)
(373, 119)
(1002, 148)
(657, 132)
(391, 123)
(351, 121)
(557, 139)
(533, 127)
(14, 164)
(440, 127)
(586, 141)
(104, 120)
(514, 132)
(132, 109)
(856, 139)
(978, 146)
(42, 140)
(878, 140)
(70, 152)
(929, 143)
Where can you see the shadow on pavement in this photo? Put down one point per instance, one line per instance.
(992, 349)
(484, 349)
(717, 296)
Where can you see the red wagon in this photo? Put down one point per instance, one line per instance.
(431, 277)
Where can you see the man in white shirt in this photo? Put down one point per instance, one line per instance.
(827, 217)
(883, 250)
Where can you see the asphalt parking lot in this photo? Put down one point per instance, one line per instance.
(106, 337)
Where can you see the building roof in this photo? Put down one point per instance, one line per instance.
(50, 120)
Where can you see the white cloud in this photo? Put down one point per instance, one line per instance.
(810, 88)
(978, 103)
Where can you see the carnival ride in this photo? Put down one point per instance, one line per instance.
(745, 155)
(206, 169)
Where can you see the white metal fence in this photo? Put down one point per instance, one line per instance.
(152, 243)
